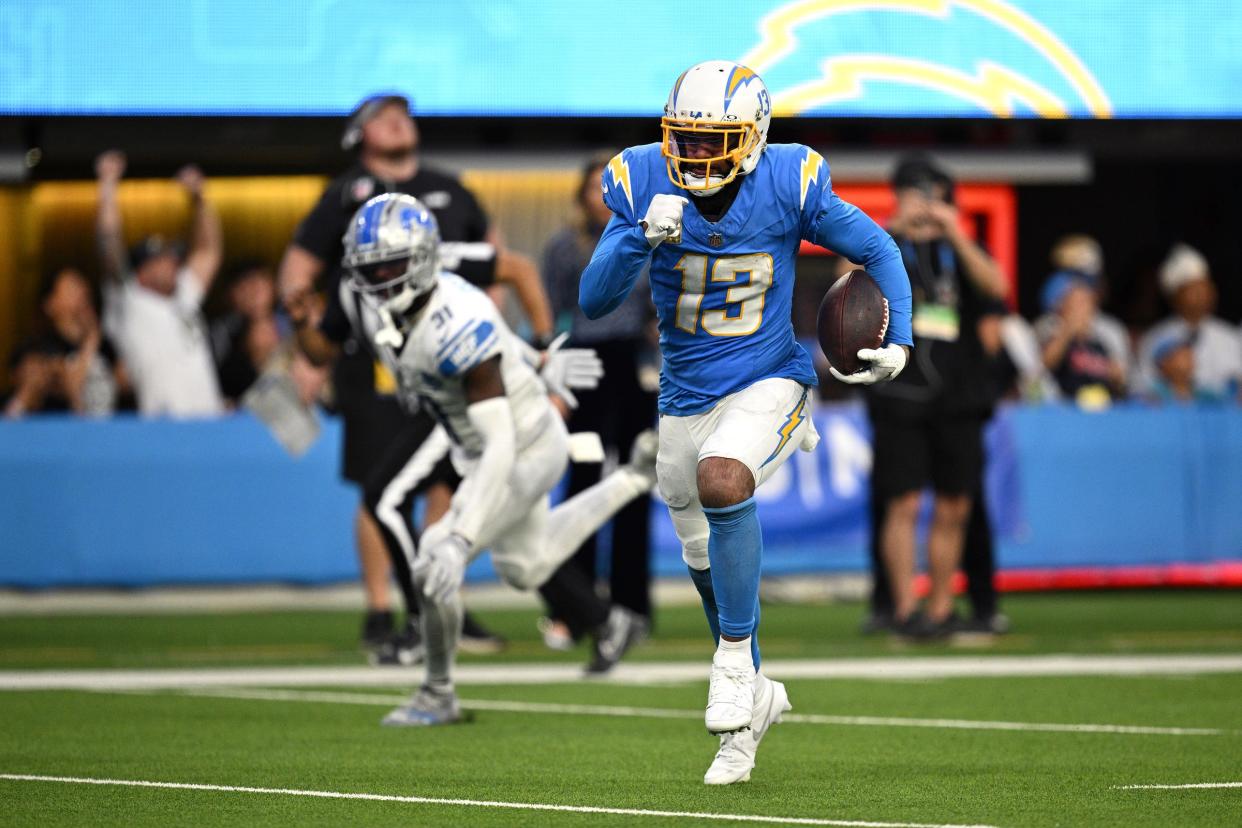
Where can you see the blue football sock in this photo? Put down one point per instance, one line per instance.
(703, 583)
(735, 549)
(754, 635)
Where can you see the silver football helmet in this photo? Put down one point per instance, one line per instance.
(392, 252)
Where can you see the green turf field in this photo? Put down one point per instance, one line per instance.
(980, 750)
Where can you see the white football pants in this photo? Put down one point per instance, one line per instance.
(759, 426)
(528, 539)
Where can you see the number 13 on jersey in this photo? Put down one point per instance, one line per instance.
(752, 276)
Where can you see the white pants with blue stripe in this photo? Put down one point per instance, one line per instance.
(759, 426)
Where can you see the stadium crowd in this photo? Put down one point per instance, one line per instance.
(168, 338)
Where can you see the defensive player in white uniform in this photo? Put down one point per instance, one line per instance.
(735, 385)
(451, 351)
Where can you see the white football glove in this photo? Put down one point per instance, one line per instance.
(440, 569)
(886, 363)
(663, 219)
(566, 368)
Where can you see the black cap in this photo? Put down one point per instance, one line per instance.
(920, 172)
(364, 112)
(153, 246)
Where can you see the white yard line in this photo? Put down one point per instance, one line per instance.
(474, 803)
(1193, 785)
(665, 713)
(899, 668)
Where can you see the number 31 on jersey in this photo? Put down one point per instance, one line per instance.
(751, 275)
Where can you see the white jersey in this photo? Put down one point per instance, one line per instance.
(459, 329)
(163, 340)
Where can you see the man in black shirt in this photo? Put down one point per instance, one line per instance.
(379, 438)
(928, 422)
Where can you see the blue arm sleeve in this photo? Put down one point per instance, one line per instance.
(615, 266)
(845, 229)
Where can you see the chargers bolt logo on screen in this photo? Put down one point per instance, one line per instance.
(1019, 67)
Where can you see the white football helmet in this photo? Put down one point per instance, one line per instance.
(715, 125)
(392, 251)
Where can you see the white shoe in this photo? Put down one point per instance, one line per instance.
(556, 635)
(736, 757)
(427, 708)
(730, 694)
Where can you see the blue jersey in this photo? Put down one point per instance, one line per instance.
(724, 293)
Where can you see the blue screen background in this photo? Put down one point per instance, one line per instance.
(951, 58)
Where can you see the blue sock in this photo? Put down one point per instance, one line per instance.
(754, 635)
(735, 549)
(703, 583)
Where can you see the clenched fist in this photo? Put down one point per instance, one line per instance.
(663, 220)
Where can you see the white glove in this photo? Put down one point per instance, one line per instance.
(886, 363)
(663, 219)
(440, 569)
(566, 368)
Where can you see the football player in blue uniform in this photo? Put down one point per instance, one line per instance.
(735, 383)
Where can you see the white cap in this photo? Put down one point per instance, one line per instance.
(1183, 266)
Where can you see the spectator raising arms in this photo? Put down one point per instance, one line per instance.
(69, 366)
(153, 301)
(1187, 283)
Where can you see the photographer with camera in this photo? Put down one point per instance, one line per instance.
(928, 422)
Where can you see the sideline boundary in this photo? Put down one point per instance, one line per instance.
(650, 672)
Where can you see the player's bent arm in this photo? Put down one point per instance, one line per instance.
(492, 417)
(844, 228)
(522, 275)
(614, 268)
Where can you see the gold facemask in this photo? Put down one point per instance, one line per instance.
(721, 148)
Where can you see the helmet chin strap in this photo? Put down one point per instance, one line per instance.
(389, 335)
(706, 191)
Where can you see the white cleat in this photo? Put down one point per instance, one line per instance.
(736, 757)
(427, 708)
(730, 695)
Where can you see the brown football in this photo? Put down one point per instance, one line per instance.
(851, 317)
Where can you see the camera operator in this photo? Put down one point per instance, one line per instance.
(928, 423)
